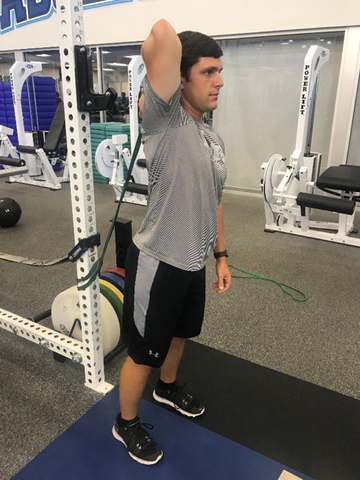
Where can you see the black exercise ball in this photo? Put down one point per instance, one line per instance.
(10, 212)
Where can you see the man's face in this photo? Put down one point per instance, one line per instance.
(200, 93)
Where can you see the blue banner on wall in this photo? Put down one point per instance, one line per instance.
(17, 13)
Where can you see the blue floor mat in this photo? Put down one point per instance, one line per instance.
(88, 451)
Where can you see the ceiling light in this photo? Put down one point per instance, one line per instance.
(284, 43)
(108, 69)
(105, 51)
(118, 64)
(43, 55)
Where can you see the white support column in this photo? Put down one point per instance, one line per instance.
(136, 74)
(19, 56)
(70, 22)
(19, 72)
(345, 98)
(314, 60)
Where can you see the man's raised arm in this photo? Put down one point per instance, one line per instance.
(161, 52)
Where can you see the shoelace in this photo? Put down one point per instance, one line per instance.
(142, 436)
(183, 396)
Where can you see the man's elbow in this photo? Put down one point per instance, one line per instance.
(162, 27)
(162, 40)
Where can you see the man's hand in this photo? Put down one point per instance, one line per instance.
(223, 276)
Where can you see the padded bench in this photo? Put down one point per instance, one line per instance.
(343, 177)
(54, 136)
(17, 166)
(339, 205)
(138, 188)
(12, 162)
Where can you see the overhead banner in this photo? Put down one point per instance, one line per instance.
(18, 13)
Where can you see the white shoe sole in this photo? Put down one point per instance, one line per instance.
(134, 457)
(178, 409)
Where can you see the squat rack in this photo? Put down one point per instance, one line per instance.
(79, 99)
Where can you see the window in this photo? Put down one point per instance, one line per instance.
(6, 60)
(257, 112)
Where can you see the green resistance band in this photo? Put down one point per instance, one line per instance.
(285, 288)
(95, 269)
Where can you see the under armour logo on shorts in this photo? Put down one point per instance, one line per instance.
(152, 353)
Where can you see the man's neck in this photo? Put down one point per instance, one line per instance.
(190, 109)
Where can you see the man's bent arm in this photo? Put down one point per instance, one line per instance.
(161, 52)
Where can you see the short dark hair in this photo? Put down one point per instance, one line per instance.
(194, 46)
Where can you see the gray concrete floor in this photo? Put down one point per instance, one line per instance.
(316, 341)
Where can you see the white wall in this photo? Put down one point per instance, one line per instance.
(131, 22)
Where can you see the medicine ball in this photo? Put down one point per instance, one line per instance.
(10, 212)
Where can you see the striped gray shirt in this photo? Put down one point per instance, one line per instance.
(186, 163)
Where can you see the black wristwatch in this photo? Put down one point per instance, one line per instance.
(221, 254)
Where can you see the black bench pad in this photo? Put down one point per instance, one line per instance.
(26, 149)
(13, 162)
(343, 177)
(321, 202)
(137, 188)
(141, 163)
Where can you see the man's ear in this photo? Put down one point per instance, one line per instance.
(182, 82)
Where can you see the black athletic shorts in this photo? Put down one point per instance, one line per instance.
(160, 302)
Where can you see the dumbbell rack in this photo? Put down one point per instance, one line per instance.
(77, 102)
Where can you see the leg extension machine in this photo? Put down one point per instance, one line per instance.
(289, 188)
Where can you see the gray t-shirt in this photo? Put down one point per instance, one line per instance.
(186, 163)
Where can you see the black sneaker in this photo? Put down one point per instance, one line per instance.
(179, 399)
(141, 447)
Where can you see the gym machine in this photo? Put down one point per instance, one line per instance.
(40, 172)
(9, 159)
(79, 100)
(10, 210)
(289, 188)
(111, 157)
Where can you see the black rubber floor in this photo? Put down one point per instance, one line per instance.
(308, 428)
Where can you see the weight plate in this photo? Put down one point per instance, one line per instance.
(114, 279)
(273, 175)
(120, 272)
(104, 158)
(113, 288)
(113, 299)
(65, 310)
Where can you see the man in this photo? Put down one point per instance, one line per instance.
(124, 103)
(165, 273)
